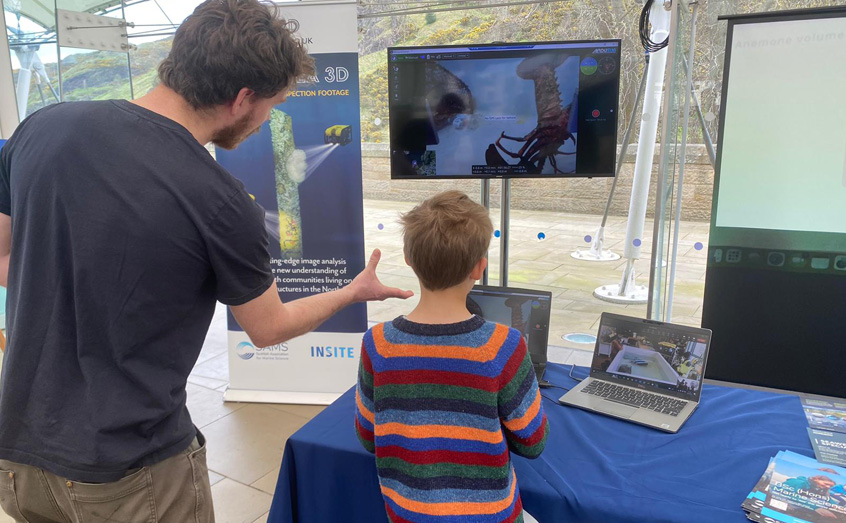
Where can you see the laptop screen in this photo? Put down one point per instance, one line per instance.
(523, 309)
(651, 354)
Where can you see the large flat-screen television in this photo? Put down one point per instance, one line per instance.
(530, 110)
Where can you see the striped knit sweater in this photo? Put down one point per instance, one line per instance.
(440, 406)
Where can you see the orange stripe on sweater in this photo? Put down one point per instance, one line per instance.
(485, 353)
(523, 421)
(364, 410)
(439, 431)
(453, 509)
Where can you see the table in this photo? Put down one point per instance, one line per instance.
(594, 468)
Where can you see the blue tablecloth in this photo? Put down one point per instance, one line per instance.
(594, 468)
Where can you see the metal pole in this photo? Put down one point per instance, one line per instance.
(626, 140)
(656, 267)
(58, 53)
(627, 291)
(597, 248)
(685, 126)
(25, 56)
(505, 226)
(709, 143)
(486, 201)
(128, 57)
(8, 104)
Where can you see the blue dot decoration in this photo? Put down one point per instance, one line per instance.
(698, 246)
(497, 233)
(588, 238)
(381, 226)
(541, 236)
(637, 242)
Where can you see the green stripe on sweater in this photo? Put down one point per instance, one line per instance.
(454, 392)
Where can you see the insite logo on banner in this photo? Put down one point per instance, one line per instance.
(333, 352)
(247, 351)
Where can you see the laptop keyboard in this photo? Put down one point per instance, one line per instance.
(635, 398)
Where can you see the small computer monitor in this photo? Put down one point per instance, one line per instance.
(523, 309)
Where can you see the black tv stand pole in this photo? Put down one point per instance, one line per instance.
(504, 227)
(486, 201)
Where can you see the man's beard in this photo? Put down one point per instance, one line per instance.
(231, 137)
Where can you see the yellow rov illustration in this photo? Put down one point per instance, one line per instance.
(339, 134)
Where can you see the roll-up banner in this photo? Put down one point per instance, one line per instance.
(304, 168)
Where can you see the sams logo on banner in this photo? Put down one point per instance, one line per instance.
(247, 351)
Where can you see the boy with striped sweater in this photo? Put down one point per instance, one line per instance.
(442, 394)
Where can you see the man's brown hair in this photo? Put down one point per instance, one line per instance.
(445, 237)
(228, 45)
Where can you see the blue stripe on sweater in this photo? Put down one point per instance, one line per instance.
(521, 409)
(447, 495)
(476, 518)
(364, 422)
(438, 417)
(531, 428)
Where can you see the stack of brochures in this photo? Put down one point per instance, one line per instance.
(798, 489)
(827, 420)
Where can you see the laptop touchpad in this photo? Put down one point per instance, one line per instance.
(614, 409)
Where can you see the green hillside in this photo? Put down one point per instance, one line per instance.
(104, 75)
(101, 75)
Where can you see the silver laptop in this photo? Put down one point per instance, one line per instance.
(644, 371)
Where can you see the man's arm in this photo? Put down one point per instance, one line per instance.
(268, 321)
(5, 248)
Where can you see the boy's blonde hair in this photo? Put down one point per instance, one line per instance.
(444, 238)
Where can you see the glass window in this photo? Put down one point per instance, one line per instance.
(550, 219)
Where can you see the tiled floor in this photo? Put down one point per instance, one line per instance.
(245, 441)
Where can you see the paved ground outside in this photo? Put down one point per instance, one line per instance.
(547, 265)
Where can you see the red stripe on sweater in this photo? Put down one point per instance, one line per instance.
(513, 365)
(365, 434)
(437, 377)
(537, 436)
(518, 511)
(365, 359)
(394, 517)
(432, 457)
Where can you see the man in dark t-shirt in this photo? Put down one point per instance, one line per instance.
(118, 233)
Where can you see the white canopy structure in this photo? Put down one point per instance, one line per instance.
(43, 12)
(34, 26)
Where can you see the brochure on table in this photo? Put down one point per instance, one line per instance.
(798, 489)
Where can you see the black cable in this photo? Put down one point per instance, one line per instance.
(645, 40)
(572, 368)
